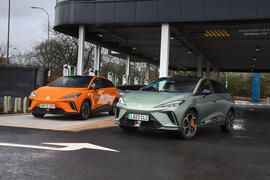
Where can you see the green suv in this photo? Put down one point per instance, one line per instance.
(184, 104)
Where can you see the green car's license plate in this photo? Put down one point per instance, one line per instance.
(138, 117)
(47, 106)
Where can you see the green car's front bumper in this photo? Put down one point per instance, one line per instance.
(163, 119)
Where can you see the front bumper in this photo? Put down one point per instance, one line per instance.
(51, 111)
(61, 107)
(162, 120)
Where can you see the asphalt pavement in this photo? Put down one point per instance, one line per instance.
(144, 155)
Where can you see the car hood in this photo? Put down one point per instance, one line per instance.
(56, 92)
(146, 100)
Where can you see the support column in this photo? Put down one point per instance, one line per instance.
(147, 76)
(128, 66)
(199, 67)
(164, 51)
(208, 70)
(81, 44)
(126, 77)
(97, 59)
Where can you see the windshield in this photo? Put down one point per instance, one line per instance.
(175, 85)
(72, 81)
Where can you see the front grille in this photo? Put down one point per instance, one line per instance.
(51, 111)
(56, 111)
(152, 123)
(39, 110)
(128, 122)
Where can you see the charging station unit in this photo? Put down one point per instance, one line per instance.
(69, 70)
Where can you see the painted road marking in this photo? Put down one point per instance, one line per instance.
(63, 146)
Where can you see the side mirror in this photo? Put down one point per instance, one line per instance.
(94, 86)
(205, 92)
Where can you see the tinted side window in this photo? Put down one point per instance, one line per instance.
(99, 83)
(218, 88)
(110, 84)
(205, 85)
(107, 83)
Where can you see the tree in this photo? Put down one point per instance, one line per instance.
(63, 49)
(265, 85)
(3, 51)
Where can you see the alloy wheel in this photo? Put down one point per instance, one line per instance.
(229, 120)
(85, 110)
(190, 125)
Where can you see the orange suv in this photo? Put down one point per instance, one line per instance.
(75, 95)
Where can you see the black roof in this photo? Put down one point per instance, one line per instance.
(225, 33)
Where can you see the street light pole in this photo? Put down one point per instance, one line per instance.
(7, 60)
(48, 16)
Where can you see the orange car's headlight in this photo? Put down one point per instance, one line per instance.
(71, 96)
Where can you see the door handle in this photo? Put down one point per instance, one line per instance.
(214, 101)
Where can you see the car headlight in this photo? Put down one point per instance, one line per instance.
(71, 96)
(121, 101)
(171, 104)
(33, 94)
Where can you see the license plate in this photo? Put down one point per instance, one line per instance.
(138, 117)
(47, 106)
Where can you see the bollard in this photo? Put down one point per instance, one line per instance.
(9, 104)
(19, 104)
(15, 105)
(267, 100)
(5, 110)
(25, 105)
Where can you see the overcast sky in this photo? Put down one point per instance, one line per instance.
(28, 26)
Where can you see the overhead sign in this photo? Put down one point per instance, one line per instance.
(216, 33)
(62, 146)
(255, 32)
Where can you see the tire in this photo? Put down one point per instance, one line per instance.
(113, 110)
(189, 125)
(85, 111)
(38, 115)
(128, 129)
(228, 126)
